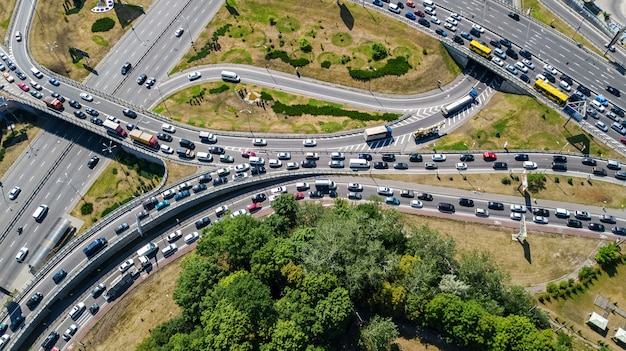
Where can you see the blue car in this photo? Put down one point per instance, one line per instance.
(441, 32)
(161, 205)
(54, 82)
(378, 3)
(410, 16)
(467, 36)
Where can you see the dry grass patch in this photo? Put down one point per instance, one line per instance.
(59, 26)
(178, 171)
(552, 256)
(217, 106)
(15, 146)
(6, 11)
(599, 193)
(341, 33)
(132, 317)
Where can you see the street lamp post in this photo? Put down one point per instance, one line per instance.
(372, 69)
(72, 186)
(580, 24)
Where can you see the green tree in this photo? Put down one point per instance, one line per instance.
(287, 336)
(607, 255)
(536, 182)
(286, 206)
(378, 334)
(267, 262)
(333, 315)
(305, 45)
(485, 279)
(197, 278)
(379, 51)
(227, 328)
(449, 284)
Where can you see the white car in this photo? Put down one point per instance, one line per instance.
(126, 265)
(481, 212)
(563, 84)
(167, 149)
(240, 176)
(13, 194)
(274, 163)
(516, 216)
(309, 142)
(174, 236)
(355, 187)
(518, 208)
(452, 21)
(337, 156)
(21, 255)
(77, 310)
(416, 204)
(244, 167)
(179, 32)
(284, 156)
(610, 47)
(168, 128)
(259, 142)
(451, 27)
(113, 119)
(461, 166)
(302, 186)
(238, 213)
(438, 157)
(189, 238)
(35, 85)
(597, 105)
(279, 190)
(548, 68)
(541, 77)
(603, 127)
(69, 332)
(456, 16)
(292, 165)
(86, 97)
(18, 36)
(540, 220)
(221, 210)
(478, 28)
(193, 76)
(435, 20)
(497, 61)
(528, 63)
(530, 165)
(385, 191)
(522, 67)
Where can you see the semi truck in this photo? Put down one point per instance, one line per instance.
(428, 131)
(95, 247)
(118, 289)
(459, 104)
(377, 133)
(325, 184)
(144, 138)
(53, 103)
(114, 128)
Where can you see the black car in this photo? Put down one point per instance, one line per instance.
(599, 172)
(75, 104)
(401, 165)
(97, 121)
(316, 194)
(125, 68)
(367, 157)
(541, 212)
(583, 89)
(181, 195)
(400, 5)
(558, 166)
(549, 77)
(141, 79)
(121, 228)
(621, 175)
(308, 164)
(511, 53)
(596, 227)
(58, 96)
(20, 74)
(618, 230)
(381, 165)
(92, 112)
(514, 15)
(258, 170)
(50, 340)
(559, 158)
(203, 222)
(457, 39)
(506, 42)
(441, 32)
(521, 157)
(80, 114)
(424, 22)
(220, 180)
(198, 188)
(205, 178)
(466, 202)
(492, 205)
(58, 276)
(93, 162)
(425, 196)
(3, 328)
(525, 54)
(609, 88)
(217, 150)
(389, 157)
(589, 161)
(500, 165)
(93, 309)
(34, 300)
(574, 223)
(415, 158)
(260, 197)
(407, 193)
(618, 111)
(567, 79)
(495, 43)
(475, 32)
(164, 137)
(98, 290)
(129, 113)
(467, 157)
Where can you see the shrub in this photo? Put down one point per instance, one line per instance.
(298, 110)
(114, 171)
(86, 208)
(556, 180)
(563, 285)
(552, 288)
(379, 51)
(103, 25)
(305, 45)
(506, 181)
(110, 209)
(394, 67)
(299, 62)
(570, 181)
(325, 64)
(222, 88)
(585, 273)
(266, 96)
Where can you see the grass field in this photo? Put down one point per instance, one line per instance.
(523, 123)
(14, 147)
(341, 33)
(59, 25)
(6, 11)
(218, 106)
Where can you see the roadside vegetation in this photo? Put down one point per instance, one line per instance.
(249, 108)
(523, 123)
(60, 26)
(15, 143)
(6, 11)
(326, 42)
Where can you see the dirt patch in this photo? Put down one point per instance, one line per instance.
(339, 33)
(178, 171)
(131, 318)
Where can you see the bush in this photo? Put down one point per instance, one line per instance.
(103, 25)
(86, 208)
(394, 67)
(300, 62)
(506, 181)
(305, 45)
(379, 51)
(299, 110)
(570, 181)
(556, 180)
(265, 96)
(222, 88)
(551, 288)
(563, 285)
(325, 64)
(110, 209)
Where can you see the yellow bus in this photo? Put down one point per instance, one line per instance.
(480, 49)
(550, 92)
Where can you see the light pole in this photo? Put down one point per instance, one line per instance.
(72, 186)
(163, 99)
(372, 69)
(580, 24)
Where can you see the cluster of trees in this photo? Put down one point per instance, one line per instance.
(329, 110)
(314, 278)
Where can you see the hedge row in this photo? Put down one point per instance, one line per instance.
(394, 67)
(299, 62)
(103, 25)
(222, 88)
(299, 110)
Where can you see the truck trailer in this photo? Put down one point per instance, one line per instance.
(114, 128)
(53, 103)
(118, 289)
(377, 133)
(95, 247)
(144, 138)
(325, 184)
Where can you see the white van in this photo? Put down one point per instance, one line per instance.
(37, 73)
(169, 250)
(40, 212)
(597, 105)
(429, 3)
(359, 163)
(561, 213)
(190, 238)
(147, 250)
(230, 76)
(256, 161)
(394, 8)
(204, 156)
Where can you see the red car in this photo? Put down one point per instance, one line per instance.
(489, 156)
(419, 13)
(254, 207)
(299, 196)
(623, 140)
(248, 153)
(23, 86)
(410, 3)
